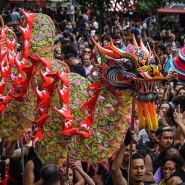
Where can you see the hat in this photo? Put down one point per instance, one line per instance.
(178, 64)
(162, 129)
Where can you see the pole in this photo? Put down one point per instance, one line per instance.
(22, 160)
(132, 128)
(67, 168)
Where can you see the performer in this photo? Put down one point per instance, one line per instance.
(137, 165)
(14, 154)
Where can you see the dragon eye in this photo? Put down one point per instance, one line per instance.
(128, 65)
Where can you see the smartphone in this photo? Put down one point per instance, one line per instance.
(2, 170)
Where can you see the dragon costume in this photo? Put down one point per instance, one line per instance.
(86, 120)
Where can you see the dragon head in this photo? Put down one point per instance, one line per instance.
(132, 71)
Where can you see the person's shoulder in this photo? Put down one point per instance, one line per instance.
(79, 66)
(174, 180)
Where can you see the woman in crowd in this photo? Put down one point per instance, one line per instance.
(181, 91)
(169, 166)
(169, 152)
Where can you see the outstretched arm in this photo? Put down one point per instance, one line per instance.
(117, 177)
(78, 176)
(10, 150)
(86, 177)
(13, 153)
(29, 174)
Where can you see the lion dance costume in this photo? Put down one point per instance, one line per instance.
(86, 120)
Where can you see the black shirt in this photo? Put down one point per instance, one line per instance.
(78, 68)
(15, 170)
(180, 173)
(37, 163)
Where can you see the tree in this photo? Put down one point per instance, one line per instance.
(142, 6)
(3, 4)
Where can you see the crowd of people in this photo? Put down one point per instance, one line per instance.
(158, 156)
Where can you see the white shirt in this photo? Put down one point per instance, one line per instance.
(88, 69)
(143, 136)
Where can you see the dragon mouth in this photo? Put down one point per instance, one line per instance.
(146, 86)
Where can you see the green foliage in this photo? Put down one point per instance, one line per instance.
(144, 6)
(103, 6)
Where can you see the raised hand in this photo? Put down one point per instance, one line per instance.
(178, 116)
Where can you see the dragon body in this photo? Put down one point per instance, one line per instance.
(86, 120)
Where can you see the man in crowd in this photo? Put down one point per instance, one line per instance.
(168, 58)
(87, 64)
(74, 65)
(137, 172)
(164, 137)
(50, 175)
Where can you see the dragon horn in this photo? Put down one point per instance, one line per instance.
(105, 51)
(134, 41)
(115, 49)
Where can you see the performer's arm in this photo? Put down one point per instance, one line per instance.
(117, 176)
(10, 150)
(29, 176)
(86, 177)
(13, 153)
(78, 176)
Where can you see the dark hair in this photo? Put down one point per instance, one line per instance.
(176, 159)
(117, 37)
(69, 49)
(179, 100)
(169, 113)
(57, 41)
(180, 90)
(85, 37)
(178, 83)
(157, 37)
(66, 34)
(50, 173)
(69, 56)
(161, 47)
(163, 102)
(137, 156)
(107, 38)
(165, 151)
(169, 45)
